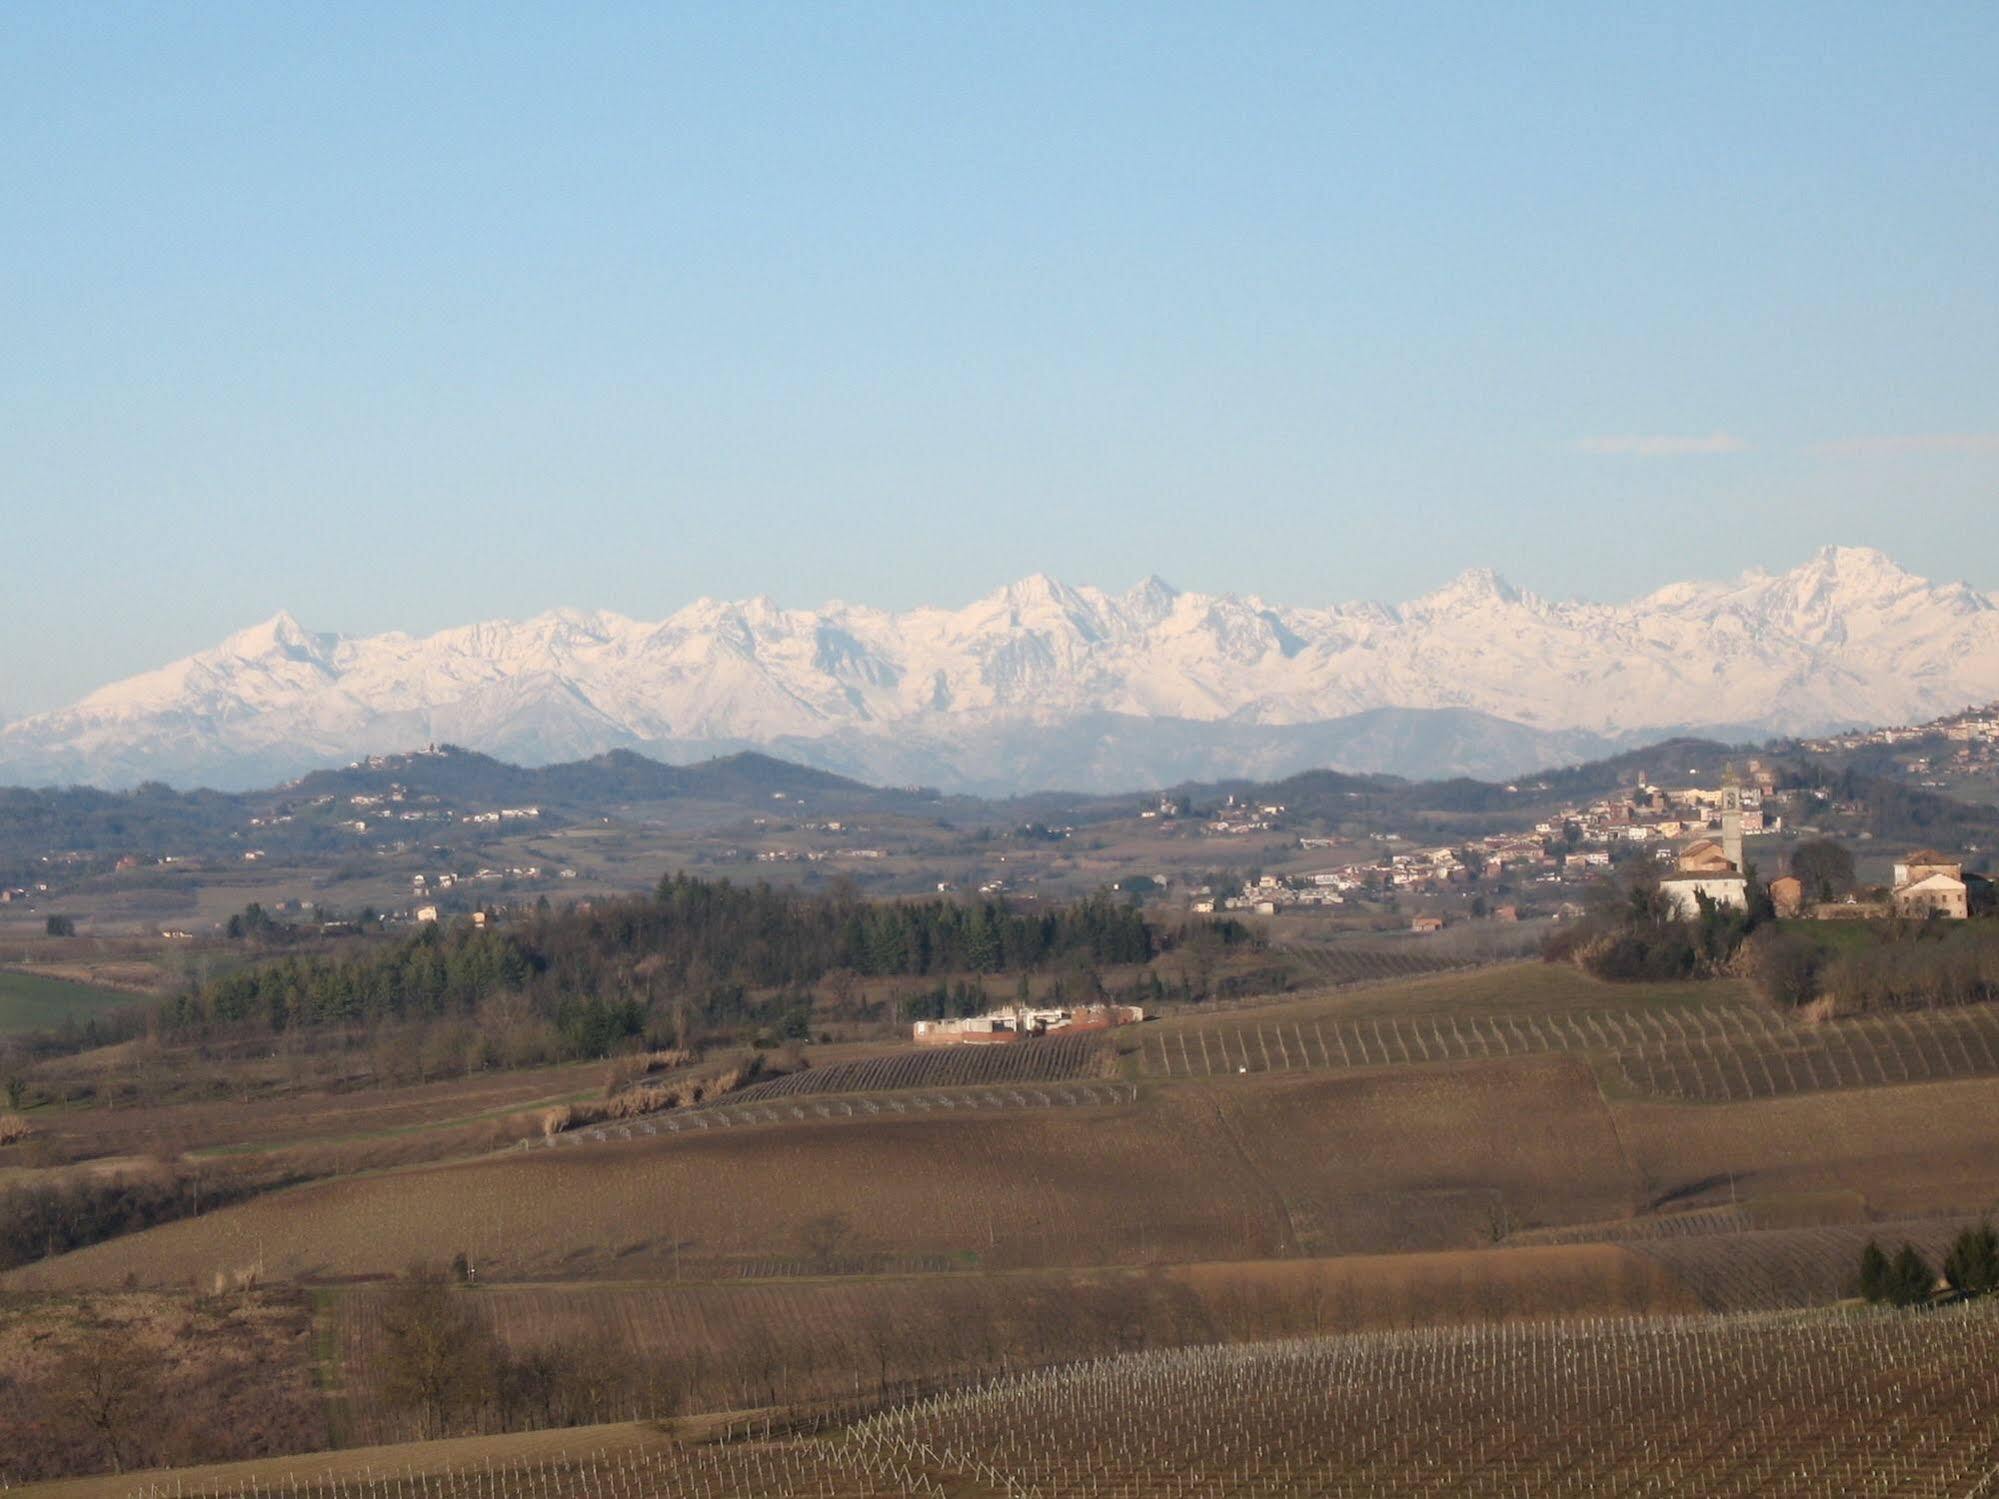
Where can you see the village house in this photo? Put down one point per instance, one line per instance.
(1711, 875)
(1938, 894)
(1787, 895)
(1928, 883)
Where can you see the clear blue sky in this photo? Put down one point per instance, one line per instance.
(402, 316)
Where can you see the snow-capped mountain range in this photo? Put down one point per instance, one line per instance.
(1042, 683)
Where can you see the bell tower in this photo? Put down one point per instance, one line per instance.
(1731, 820)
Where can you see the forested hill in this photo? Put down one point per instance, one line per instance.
(309, 817)
(696, 956)
(581, 786)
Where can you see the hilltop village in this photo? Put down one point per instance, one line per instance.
(1567, 848)
(1701, 840)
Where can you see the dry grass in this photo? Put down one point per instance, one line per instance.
(415, 1458)
(828, 1338)
(1316, 1164)
(303, 1118)
(224, 1376)
(1910, 1151)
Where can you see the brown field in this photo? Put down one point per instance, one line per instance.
(1765, 1269)
(1342, 1161)
(1313, 1164)
(412, 1459)
(1917, 1150)
(1877, 1404)
(1502, 989)
(1048, 1060)
(1770, 1057)
(782, 1342)
(266, 1114)
(1269, 1042)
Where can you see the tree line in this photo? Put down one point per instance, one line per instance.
(45, 1219)
(1906, 1279)
(1893, 965)
(696, 956)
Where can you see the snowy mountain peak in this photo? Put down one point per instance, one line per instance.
(1034, 670)
(1474, 588)
(281, 634)
(1152, 598)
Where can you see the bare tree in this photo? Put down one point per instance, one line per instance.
(824, 1238)
(439, 1359)
(110, 1390)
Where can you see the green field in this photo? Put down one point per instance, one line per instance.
(29, 1002)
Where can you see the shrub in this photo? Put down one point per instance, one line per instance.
(13, 1127)
(1783, 968)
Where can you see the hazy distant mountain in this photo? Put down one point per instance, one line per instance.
(1042, 683)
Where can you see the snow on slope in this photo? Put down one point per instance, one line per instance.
(1846, 638)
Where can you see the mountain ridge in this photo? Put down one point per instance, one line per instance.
(1050, 674)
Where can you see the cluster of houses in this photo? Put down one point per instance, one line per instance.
(1575, 844)
(1018, 1022)
(1927, 885)
(816, 855)
(1972, 726)
(1971, 745)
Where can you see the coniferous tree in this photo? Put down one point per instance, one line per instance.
(1874, 1272)
(1972, 1266)
(1911, 1280)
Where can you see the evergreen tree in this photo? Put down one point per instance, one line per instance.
(1972, 1266)
(1874, 1272)
(1911, 1281)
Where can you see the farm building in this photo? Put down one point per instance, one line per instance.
(1937, 894)
(1001, 1027)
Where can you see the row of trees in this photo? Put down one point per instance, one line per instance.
(1970, 1268)
(696, 953)
(1896, 965)
(49, 1219)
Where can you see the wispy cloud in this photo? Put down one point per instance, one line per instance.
(1885, 446)
(1660, 446)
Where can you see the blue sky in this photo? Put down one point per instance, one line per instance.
(401, 316)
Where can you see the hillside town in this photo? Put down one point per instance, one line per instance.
(1693, 834)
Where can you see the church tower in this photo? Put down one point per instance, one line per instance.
(1731, 820)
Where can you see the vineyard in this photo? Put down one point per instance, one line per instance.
(1051, 1059)
(1881, 1404)
(1393, 1041)
(799, 1106)
(1769, 1058)
(748, 1469)
(826, 1334)
(1875, 1403)
(1720, 1054)
(1788, 1267)
(1343, 963)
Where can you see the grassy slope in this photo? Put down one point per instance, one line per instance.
(947, 1326)
(1410, 1159)
(1909, 1150)
(357, 1462)
(29, 1002)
